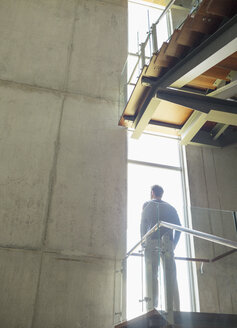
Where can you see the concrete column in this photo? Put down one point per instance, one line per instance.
(63, 161)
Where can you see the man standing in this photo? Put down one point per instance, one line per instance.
(155, 210)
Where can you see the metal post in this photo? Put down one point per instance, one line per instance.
(169, 27)
(142, 278)
(168, 269)
(154, 38)
(124, 290)
(143, 45)
(235, 219)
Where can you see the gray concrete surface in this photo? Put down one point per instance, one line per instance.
(63, 162)
(19, 271)
(29, 122)
(35, 42)
(212, 181)
(75, 293)
(97, 40)
(89, 193)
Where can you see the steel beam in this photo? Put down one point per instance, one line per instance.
(224, 92)
(218, 129)
(200, 103)
(227, 91)
(144, 121)
(217, 47)
(192, 126)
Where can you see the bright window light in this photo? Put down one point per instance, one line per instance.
(154, 150)
(140, 19)
(140, 179)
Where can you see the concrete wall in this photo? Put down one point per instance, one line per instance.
(213, 184)
(63, 161)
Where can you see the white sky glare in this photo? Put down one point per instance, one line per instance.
(156, 150)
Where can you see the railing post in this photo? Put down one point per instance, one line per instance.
(154, 38)
(168, 269)
(143, 45)
(124, 290)
(235, 219)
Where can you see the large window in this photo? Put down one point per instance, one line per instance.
(154, 160)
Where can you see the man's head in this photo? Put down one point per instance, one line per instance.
(156, 192)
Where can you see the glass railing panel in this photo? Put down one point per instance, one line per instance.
(217, 278)
(216, 222)
(135, 284)
(123, 90)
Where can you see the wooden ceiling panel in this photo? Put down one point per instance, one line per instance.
(203, 82)
(230, 63)
(171, 113)
(217, 72)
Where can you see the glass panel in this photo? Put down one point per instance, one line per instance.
(135, 285)
(154, 149)
(217, 222)
(216, 279)
(123, 90)
(132, 61)
(162, 32)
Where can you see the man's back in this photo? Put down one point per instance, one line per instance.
(155, 210)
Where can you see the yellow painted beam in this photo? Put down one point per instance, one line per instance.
(145, 119)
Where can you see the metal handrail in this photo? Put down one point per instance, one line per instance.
(142, 240)
(199, 234)
(196, 233)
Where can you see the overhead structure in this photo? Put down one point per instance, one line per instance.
(200, 59)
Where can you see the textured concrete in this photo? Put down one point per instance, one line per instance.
(28, 128)
(35, 41)
(63, 162)
(100, 34)
(87, 213)
(19, 272)
(75, 294)
(212, 177)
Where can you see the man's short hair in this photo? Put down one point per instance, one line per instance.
(157, 190)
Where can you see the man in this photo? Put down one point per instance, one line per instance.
(155, 210)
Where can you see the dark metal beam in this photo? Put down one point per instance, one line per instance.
(154, 122)
(228, 138)
(198, 102)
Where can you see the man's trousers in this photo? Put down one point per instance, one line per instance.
(160, 253)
